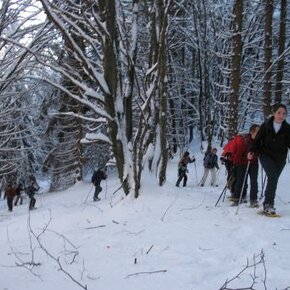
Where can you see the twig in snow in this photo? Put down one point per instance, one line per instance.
(149, 250)
(142, 273)
(168, 209)
(257, 260)
(96, 227)
(49, 254)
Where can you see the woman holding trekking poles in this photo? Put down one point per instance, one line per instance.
(271, 144)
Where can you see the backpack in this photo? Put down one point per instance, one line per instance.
(230, 148)
(93, 179)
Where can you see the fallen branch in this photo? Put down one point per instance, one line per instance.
(149, 250)
(142, 273)
(96, 227)
(168, 209)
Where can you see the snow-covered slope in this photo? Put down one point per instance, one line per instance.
(168, 239)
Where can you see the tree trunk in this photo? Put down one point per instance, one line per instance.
(268, 56)
(281, 48)
(111, 77)
(236, 67)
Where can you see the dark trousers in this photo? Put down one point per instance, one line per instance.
(181, 175)
(273, 171)
(98, 189)
(231, 176)
(240, 173)
(32, 202)
(10, 203)
(18, 197)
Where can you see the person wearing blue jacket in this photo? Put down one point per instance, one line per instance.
(210, 164)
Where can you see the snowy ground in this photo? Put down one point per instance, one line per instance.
(168, 239)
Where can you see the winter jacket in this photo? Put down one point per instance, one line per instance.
(211, 161)
(268, 142)
(182, 164)
(238, 149)
(98, 176)
(10, 192)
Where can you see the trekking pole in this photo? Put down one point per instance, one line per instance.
(217, 177)
(244, 182)
(223, 192)
(106, 189)
(195, 173)
(263, 187)
(88, 195)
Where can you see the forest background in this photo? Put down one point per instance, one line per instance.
(82, 82)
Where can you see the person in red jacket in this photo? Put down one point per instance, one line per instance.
(239, 152)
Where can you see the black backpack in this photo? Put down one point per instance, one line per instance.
(94, 177)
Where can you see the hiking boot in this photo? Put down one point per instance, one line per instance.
(269, 209)
(202, 185)
(96, 199)
(254, 203)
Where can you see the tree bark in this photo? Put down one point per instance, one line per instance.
(269, 6)
(236, 67)
(281, 48)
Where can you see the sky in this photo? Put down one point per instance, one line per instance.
(168, 239)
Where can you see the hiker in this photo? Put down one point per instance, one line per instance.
(210, 164)
(182, 168)
(244, 167)
(97, 177)
(271, 144)
(18, 193)
(227, 160)
(31, 191)
(10, 192)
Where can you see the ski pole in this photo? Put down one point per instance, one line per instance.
(263, 188)
(244, 182)
(217, 177)
(88, 195)
(223, 192)
(106, 189)
(195, 173)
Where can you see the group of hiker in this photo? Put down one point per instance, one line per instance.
(268, 143)
(14, 193)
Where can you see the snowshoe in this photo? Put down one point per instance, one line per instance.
(268, 214)
(254, 204)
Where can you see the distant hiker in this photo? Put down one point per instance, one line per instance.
(31, 191)
(77, 175)
(227, 160)
(18, 193)
(182, 168)
(97, 177)
(239, 151)
(10, 192)
(210, 164)
(272, 143)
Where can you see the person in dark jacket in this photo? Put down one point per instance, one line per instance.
(272, 143)
(97, 177)
(210, 164)
(240, 148)
(18, 192)
(31, 191)
(182, 168)
(10, 192)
